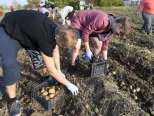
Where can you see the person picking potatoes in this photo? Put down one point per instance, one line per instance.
(98, 27)
(32, 30)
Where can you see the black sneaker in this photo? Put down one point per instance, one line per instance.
(14, 108)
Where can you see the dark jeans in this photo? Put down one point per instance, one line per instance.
(8, 53)
(147, 22)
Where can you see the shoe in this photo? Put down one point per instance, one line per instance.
(143, 31)
(151, 34)
(14, 108)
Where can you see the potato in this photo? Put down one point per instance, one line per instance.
(113, 72)
(43, 90)
(52, 91)
(87, 106)
(53, 87)
(52, 95)
(138, 89)
(45, 93)
(134, 90)
(131, 87)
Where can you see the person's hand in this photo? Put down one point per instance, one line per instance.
(62, 74)
(74, 89)
(89, 54)
(137, 12)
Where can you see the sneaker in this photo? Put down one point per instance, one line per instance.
(151, 34)
(14, 108)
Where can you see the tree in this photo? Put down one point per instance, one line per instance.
(1, 7)
(33, 1)
(19, 7)
(15, 3)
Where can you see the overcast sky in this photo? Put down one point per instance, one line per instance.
(9, 2)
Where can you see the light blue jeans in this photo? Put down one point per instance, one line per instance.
(147, 26)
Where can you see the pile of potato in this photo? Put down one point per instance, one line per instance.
(49, 92)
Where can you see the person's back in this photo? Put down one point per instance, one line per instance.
(83, 18)
(29, 27)
(66, 10)
(148, 6)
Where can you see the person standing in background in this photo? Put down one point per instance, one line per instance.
(11, 8)
(66, 15)
(147, 15)
(55, 11)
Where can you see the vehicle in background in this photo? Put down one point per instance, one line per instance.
(81, 5)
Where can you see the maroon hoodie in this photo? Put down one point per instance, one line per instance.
(92, 22)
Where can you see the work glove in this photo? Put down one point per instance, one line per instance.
(89, 54)
(72, 88)
(62, 74)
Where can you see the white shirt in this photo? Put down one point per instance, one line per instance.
(43, 10)
(64, 12)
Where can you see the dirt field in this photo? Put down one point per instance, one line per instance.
(126, 90)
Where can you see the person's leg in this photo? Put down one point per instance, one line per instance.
(143, 27)
(60, 20)
(45, 72)
(11, 71)
(75, 52)
(147, 19)
(53, 16)
(68, 22)
(97, 45)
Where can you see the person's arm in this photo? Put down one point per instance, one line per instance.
(140, 5)
(91, 27)
(105, 48)
(56, 57)
(63, 19)
(50, 65)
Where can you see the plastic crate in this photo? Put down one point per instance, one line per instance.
(95, 66)
(98, 68)
(47, 104)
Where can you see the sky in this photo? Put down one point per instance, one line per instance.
(9, 2)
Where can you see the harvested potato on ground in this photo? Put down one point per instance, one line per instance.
(138, 89)
(52, 95)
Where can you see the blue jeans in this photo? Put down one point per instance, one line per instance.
(9, 48)
(147, 22)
